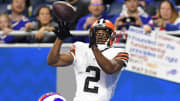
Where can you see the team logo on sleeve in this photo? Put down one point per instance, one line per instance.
(51, 97)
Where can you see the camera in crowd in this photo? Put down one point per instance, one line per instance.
(129, 20)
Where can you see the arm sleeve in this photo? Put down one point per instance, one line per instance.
(72, 50)
(114, 18)
(34, 25)
(172, 27)
(80, 24)
(122, 56)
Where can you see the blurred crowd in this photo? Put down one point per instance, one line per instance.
(37, 15)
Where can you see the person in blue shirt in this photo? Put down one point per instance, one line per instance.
(96, 9)
(167, 18)
(44, 23)
(131, 15)
(18, 20)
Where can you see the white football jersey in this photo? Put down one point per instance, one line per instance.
(93, 84)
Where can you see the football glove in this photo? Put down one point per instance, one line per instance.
(62, 31)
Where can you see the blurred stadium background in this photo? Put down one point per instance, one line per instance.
(25, 75)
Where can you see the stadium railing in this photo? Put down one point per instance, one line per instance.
(24, 33)
(73, 32)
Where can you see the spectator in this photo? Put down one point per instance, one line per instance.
(18, 20)
(44, 23)
(167, 18)
(5, 27)
(96, 9)
(134, 15)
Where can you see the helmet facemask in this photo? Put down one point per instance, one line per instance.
(101, 37)
(103, 32)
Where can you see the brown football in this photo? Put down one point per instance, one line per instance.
(64, 11)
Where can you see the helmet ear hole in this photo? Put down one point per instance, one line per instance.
(98, 21)
(104, 21)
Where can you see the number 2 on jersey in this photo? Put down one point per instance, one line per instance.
(96, 78)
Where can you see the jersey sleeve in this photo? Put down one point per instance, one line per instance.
(122, 56)
(73, 51)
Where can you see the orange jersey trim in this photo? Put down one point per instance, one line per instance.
(125, 58)
(73, 49)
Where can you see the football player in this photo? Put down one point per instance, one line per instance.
(97, 65)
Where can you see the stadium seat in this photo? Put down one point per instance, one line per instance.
(1, 1)
(5, 1)
(114, 9)
(4, 8)
(177, 2)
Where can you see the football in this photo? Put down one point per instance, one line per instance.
(64, 11)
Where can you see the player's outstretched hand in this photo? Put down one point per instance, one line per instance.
(92, 38)
(63, 30)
